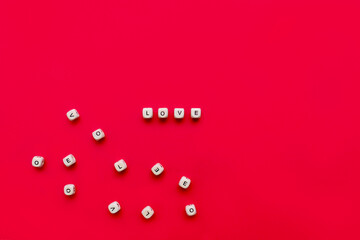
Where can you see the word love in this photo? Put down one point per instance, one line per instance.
(179, 113)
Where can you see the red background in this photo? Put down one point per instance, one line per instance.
(274, 156)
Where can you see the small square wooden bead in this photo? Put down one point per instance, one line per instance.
(163, 113)
(179, 113)
(72, 114)
(157, 169)
(147, 212)
(69, 189)
(98, 134)
(114, 207)
(38, 161)
(147, 113)
(184, 182)
(120, 165)
(190, 210)
(69, 160)
(195, 113)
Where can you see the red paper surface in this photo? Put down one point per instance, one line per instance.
(275, 154)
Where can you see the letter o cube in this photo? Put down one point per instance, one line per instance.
(98, 134)
(69, 189)
(190, 210)
(38, 161)
(163, 113)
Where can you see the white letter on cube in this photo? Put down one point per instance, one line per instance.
(195, 112)
(190, 210)
(98, 134)
(72, 114)
(147, 212)
(157, 169)
(147, 113)
(120, 165)
(179, 113)
(163, 112)
(114, 207)
(38, 161)
(69, 189)
(69, 160)
(184, 182)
